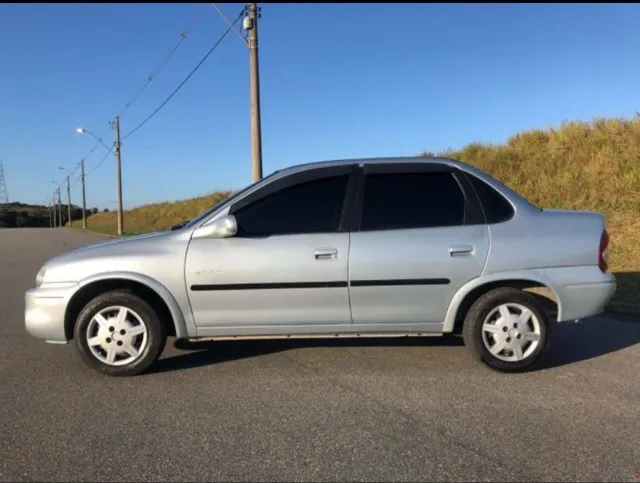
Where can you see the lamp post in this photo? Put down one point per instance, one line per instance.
(68, 194)
(116, 153)
(57, 195)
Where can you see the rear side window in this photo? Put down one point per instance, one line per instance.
(496, 207)
(398, 201)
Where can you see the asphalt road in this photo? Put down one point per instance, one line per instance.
(417, 410)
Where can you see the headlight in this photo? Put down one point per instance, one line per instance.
(40, 277)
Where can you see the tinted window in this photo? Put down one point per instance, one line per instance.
(411, 200)
(219, 204)
(496, 207)
(311, 207)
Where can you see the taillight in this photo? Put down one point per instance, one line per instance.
(603, 257)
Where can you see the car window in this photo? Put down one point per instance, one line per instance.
(310, 207)
(221, 203)
(496, 207)
(399, 201)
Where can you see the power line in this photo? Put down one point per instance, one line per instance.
(195, 69)
(181, 38)
(106, 155)
(91, 151)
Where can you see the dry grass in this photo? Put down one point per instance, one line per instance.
(585, 166)
(154, 217)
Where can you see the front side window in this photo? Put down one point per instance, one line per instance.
(398, 201)
(310, 207)
(219, 204)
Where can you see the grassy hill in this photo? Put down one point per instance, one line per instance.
(585, 166)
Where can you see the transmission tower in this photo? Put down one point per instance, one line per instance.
(4, 195)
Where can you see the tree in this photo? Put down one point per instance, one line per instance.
(22, 219)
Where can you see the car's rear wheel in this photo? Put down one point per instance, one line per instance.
(507, 329)
(119, 334)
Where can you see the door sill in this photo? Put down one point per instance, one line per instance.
(320, 331)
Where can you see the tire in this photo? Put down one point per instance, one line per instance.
(140, 331)
(478, 340)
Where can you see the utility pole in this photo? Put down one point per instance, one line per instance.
(251, 24)
(53, 209)
(116, 150)
(59, 208)
(49, 209)
(84, 198)
(69, 201)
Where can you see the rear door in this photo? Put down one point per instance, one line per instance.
(418, 236)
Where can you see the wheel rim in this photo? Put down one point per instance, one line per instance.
(511, 332)
(116, 336)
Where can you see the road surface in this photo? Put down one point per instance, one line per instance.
(417, 410)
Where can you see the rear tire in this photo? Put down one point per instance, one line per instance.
(507, 329)
(119, 334)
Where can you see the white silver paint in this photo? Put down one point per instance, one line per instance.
(556, 248)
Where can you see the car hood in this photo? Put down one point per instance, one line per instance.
(126, 239)
(116, 244)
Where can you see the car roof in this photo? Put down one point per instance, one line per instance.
(513, 196)
(364, 161)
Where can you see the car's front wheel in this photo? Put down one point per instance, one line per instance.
(119, 334)
(507, 329)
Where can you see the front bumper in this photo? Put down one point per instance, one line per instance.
(45, 309)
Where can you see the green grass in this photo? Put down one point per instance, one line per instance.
(579, 165)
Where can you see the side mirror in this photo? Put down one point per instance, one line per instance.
(223, 227)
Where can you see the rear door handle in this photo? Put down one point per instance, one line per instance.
(326, 253)
(460, 250)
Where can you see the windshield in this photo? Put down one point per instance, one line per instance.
(219, 205)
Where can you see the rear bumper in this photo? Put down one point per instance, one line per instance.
(45, 310)
(586, 300)
(585, 295)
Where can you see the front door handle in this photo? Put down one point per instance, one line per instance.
(460, 250)
(326, 253)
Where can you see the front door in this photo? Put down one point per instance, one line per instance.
(287, 265)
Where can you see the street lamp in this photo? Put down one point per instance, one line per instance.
(81, 130)
(116, 153)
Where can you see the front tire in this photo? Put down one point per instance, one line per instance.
(119, 334)
(507, 329)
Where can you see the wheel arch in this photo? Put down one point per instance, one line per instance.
(472, 290)
(152, 291)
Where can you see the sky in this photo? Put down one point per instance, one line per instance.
(337, 81)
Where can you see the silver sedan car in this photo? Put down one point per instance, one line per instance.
(350, 248)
